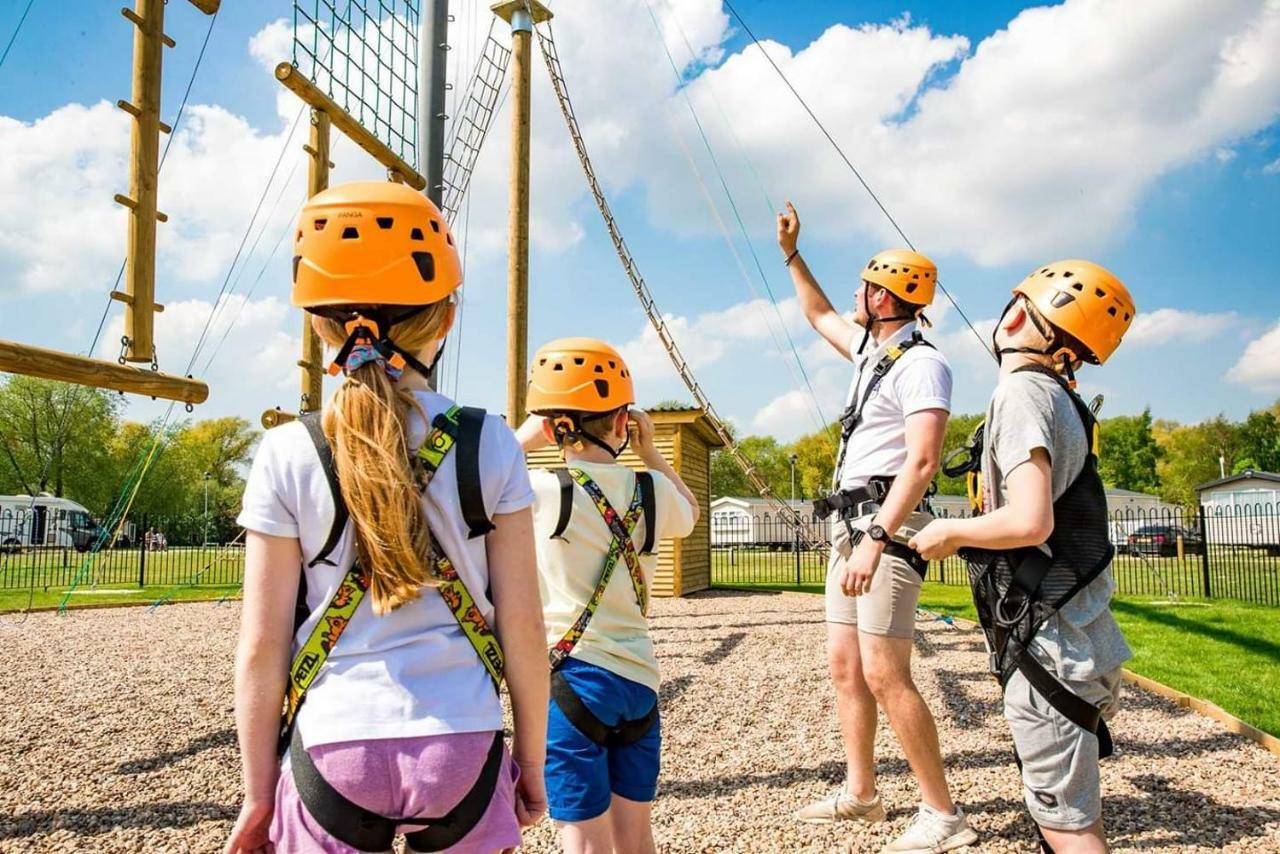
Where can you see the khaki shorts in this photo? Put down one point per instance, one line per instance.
(889, 609)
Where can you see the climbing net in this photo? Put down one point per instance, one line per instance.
(364, 55)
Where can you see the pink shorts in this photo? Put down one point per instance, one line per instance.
(425, 776)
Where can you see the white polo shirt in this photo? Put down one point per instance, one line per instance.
(920, 380)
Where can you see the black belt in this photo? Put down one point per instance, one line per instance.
(845, 499)
(367, 831)
(620, 735)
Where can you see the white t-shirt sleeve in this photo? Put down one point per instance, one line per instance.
(923, 383)
(674, 513)
(268, 494)
(517, 492)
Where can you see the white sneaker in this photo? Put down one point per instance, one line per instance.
(933, 831)
(841, 806)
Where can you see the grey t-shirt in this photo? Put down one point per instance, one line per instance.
(1030, 410)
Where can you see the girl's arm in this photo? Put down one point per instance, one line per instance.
(518, 622)
(271, 573)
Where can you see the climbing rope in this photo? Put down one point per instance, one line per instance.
(546, 42)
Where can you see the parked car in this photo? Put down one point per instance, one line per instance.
(1162, 541)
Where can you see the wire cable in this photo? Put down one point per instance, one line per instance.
(13, 38)
(847, 162)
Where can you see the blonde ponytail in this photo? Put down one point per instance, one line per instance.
(365, 423)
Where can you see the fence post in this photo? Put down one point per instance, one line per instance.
(1204, 552)
(141, 543)
(795, 546)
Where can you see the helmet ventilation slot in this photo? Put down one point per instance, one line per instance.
(416, 234)
(426, 265)
(385, 222)
(351, 233)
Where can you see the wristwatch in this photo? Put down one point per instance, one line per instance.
(878, 533)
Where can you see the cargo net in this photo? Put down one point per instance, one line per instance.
(364, 55)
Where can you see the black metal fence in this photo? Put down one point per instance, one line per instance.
(49, 548)
(1213, 552)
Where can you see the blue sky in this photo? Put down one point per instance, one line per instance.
(1000, 137)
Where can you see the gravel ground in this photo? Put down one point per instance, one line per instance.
(116, 735)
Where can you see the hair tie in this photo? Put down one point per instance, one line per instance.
(362, 354)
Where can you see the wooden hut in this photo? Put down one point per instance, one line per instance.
(685, 438)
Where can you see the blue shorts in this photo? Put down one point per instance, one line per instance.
(582, 776)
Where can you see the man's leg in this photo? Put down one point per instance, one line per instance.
(1091, 840)
(856, 708)
(886, 662)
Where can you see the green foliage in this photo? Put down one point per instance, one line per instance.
(959, 430)
(91, 459)
(1260, 437)
(1129, 452)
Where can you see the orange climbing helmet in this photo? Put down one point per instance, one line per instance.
(578, 375)
(373, 243)
(1084, 300)
(907, 275)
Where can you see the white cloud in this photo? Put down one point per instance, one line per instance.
(1152, 328)
(1272, 168)
(1224, 155)
(1259, 365)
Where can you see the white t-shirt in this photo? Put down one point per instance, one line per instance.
(411, 672)
(617, 638)
(920, 380)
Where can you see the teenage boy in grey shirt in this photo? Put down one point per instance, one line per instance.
(1037, 449)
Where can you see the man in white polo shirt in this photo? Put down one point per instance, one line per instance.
(891, 440)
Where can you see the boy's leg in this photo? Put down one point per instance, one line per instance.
(577, 778)
(632, 826)
(593, 836)
(1062, 787)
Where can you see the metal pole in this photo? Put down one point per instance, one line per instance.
(433, 51)
(518, 237)
(1204, 553)
(796, 528)
(312, 361)
(206, 508)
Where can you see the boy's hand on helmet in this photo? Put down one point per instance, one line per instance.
(788, 230)
(641, 429)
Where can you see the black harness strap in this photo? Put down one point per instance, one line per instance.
(1070, 705)
(340, 512)
(566, 503)
(648, 507)
(470, 425)
(644, 480)
(902, 551)
(367, 831)
(585, 721)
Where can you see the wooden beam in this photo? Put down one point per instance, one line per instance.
(312, 362)
(54, 365)
(297, 83)
(209, 7)
(276, 417)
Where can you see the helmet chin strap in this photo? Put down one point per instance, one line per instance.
(568, 430)
(872, 320)
(1067, 357)
(374, 327)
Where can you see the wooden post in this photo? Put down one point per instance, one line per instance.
(144, 169)
(517, 13)
(312, 361)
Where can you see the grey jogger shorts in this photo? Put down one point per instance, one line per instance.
(1060, 779)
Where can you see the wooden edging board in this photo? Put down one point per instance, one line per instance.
(1230, 722)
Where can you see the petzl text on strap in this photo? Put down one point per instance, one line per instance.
(622, 546)
(315, 650)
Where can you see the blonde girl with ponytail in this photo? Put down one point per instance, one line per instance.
(384, 639)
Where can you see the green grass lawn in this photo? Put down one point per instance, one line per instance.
(1223, 651)
(89, 597)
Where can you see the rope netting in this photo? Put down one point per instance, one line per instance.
(364, 55)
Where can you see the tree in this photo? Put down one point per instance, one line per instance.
(1260, 438)
(766, 455)
(1189, 456)
(52, 436)
(1129, 453)
(959, 431)
(815, 461)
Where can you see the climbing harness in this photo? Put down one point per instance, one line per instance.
(459, 427)
(966, 461)
(1017, 590)
(622, 547)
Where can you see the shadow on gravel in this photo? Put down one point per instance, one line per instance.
(671, 690)
(966, 712)
(221, 738)
(726, 646)
(775, 624)
(93, 821)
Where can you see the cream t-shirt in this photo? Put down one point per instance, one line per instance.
(569, 569)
